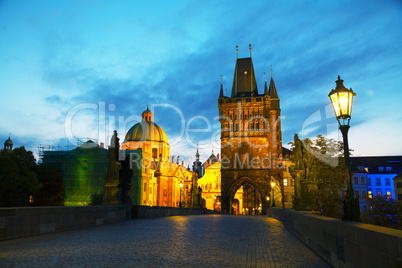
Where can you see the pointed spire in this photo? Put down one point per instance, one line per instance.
(272, 89)
(266, 87)
(197, 155)
(237, 52)
(221, 93)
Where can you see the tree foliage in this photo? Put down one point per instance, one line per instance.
(18, 180)
(382, 211)
(52, 192)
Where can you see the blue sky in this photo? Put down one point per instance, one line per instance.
(79, 69)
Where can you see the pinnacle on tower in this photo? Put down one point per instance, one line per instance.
(221, 93)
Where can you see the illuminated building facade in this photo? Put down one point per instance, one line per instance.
(210, 184)
(155, 182)
(374, 176)
(160, 178)
(251, 140)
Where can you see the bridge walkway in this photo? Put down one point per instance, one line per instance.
(189, 241)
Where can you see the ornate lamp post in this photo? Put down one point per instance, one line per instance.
(181, 186)
(273, 192)
(341, 99)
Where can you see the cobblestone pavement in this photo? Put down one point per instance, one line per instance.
(190, 241)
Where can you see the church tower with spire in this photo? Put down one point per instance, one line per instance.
(251, 139)
(197, 165)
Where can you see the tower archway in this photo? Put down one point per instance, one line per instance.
(253, 197)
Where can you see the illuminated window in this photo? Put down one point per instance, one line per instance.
(370, 194)
(387, 181)
(378, 181)
(285, 182)
(389, 194)
(245, 72)
(378, 193)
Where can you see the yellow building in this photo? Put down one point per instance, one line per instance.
(210, 184)
(161, 182)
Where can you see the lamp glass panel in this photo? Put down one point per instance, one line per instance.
(342, 104)
(335, 104)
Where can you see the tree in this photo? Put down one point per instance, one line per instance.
(52, 193)
(382, 211)
(18, 181)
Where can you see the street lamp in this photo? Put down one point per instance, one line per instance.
(181, 186)
(273, 192)
(341, 99)
(214, 201)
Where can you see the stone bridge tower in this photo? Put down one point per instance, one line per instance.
(251, 140)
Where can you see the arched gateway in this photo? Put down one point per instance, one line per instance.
(251, 140)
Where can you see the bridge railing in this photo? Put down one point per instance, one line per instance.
(29, 221)
(344, 244)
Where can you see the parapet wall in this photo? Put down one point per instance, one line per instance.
(344, 244)
(30, 221)
(141, 212)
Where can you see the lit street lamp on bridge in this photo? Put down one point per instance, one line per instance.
(273, 192)
(341, 99)
(181, 186)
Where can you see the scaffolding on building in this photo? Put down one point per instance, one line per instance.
(83, 169)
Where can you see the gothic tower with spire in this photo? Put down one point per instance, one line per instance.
(251, 139)
(197, 165)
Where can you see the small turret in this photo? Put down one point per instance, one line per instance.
(8, 145)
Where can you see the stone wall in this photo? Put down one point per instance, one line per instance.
(30, 221)
(141, 212)
(344, 244)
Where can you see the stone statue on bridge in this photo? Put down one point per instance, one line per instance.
(111, 183)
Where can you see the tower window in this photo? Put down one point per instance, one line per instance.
(245, 72)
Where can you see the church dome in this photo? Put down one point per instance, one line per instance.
(8, 142)
(146, 130)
